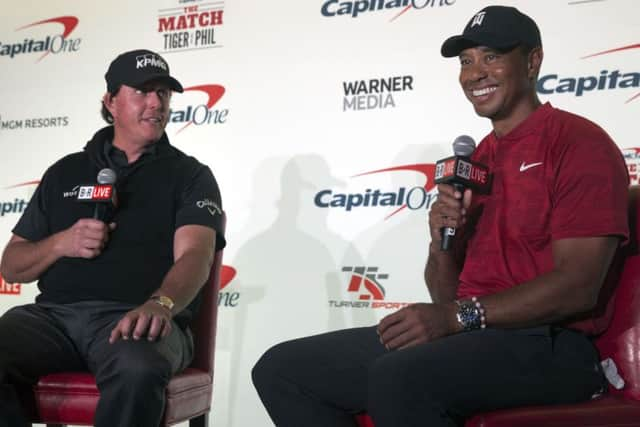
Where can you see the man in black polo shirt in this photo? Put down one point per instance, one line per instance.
(117, 292)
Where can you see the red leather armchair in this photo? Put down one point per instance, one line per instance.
(72, 397)
(621, 342)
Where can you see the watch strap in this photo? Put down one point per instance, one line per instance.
(163, 300)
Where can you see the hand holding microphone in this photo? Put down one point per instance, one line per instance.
(88, 236)
(461, 173)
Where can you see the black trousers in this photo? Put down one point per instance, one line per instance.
(38, 339)
(325, 379)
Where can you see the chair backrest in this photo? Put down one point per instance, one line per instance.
(203, 325)
(621, 340)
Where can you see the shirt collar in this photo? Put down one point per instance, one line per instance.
(119, 157)
(531, 124)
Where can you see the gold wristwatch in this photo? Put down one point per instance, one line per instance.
(163, 300)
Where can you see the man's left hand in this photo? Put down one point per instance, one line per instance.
(417, 324)
(150, 321)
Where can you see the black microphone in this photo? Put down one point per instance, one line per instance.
(103, 195)
(462, 173)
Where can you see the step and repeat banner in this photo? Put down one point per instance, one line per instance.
(322, 121)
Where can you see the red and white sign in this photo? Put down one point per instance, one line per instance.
(461, 170)
(95, 193)
(7, 288)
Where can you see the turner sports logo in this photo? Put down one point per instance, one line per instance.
(414, 198)
(7, 288)
(365, 285)
(374, 93)
(227, 298)
(333, 8)
(605, 80)
(54, 43)
(632, 158)
(200, 114)
(17, 204)
(191, 27)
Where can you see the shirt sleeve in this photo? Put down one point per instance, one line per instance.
(33, 224)
(590, 194)
(201, 204)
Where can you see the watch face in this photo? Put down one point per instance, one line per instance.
(164, 300)
(167, 301)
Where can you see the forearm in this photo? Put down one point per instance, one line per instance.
(186, 277)
(544, 300)
(571, 288)
(193, 254)
(24, 261)
(441, 274)
(443, 268)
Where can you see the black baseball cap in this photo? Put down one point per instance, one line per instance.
(497, 27)
(137, 67)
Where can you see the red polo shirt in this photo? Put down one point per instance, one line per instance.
(555, 176)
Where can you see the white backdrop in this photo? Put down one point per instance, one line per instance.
(287, 142)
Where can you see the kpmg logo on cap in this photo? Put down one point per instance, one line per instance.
(333, 8)
(149, 59)
(374, 93)
(606, 80)
(399, 199)
(203, 113)
(52, 43)
(197, 26)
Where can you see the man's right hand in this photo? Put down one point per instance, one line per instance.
(85, 239)
(449, 210)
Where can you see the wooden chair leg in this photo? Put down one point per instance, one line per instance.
(200, 421)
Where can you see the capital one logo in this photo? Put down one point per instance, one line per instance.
(17, 203)
(55, 44)
(226, 275)
(355, 8)
(415, 198)
(365, 281)
(228, 298)
(608, 79)
(628, 80)
(201, 114)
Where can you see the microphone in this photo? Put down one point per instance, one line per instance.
(103, 195)
(462, 173)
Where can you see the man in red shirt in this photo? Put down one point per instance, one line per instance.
(530, 256)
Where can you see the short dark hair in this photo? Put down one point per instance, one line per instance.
(525, 49)
(104, 112)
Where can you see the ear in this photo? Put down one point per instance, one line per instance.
(534, 61)
(108, 101)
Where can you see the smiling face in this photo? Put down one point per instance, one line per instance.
(501, 85)
(139, 114)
